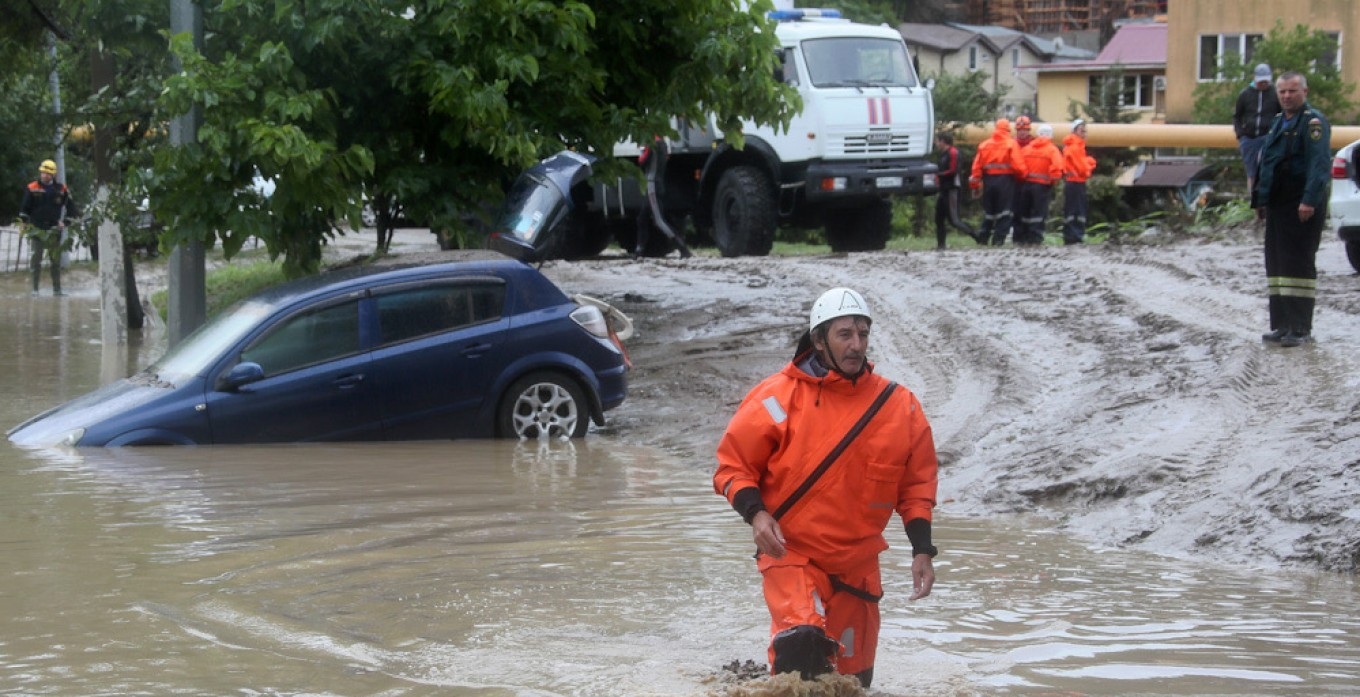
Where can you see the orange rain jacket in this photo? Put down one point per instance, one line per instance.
(1043, 162)
(784, 428)
(1077, 165)
(999, 154)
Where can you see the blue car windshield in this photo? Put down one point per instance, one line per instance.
(202, 348)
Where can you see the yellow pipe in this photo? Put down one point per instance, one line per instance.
(1150, 135)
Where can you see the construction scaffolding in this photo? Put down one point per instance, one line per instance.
(1056, 16)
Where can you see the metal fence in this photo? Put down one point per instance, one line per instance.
(14, 251)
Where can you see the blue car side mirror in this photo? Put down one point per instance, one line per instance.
(242, 374)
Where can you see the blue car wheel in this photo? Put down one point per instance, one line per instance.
(543, 405)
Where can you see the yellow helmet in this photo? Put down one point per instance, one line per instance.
(48, 167)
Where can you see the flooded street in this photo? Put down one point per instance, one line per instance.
(596, 568)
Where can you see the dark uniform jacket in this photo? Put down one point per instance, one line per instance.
(1296, 162)
(45, 205)
(1254, 111)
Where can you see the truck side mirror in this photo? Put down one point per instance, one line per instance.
(930, 83)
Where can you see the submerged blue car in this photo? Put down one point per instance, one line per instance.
(480, 346)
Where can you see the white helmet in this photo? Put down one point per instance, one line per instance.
(1044, 131)
(838, 302)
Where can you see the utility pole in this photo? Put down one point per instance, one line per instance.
(188, 290)
(58, 144)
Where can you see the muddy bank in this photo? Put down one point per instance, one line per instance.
(1122, 390)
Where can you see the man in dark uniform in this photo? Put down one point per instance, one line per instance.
(43, 214)
(1253, 113)
(947, 199)
(1292, 189)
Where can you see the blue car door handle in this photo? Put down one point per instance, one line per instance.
(349, 382)
(476, 349)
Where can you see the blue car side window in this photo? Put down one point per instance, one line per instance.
(307, 338)
(422, 311)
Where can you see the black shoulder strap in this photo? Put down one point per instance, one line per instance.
(835, 453)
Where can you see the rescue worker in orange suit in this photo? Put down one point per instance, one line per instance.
(1293, 186)
(1043, 170)
(46, 208)
(947, 198)
(818, 488)
(993, 179)
(1077, 168)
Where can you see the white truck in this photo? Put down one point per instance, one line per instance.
(864, 134)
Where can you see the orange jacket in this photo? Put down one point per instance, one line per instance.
(785, 427)
(999, 154)
(1043, 162)
(1077, 165)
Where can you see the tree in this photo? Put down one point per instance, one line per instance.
(433, 105)
(1308, 51)
(964, 98)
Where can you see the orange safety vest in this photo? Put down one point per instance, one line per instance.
(999, 154)
(1077, 165)
(1043, 162)
(787, 424)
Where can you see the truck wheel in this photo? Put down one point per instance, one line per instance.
(1353, 253)
(863, 229)
(658, 245)
(744, 214)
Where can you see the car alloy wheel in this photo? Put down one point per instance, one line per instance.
(544, 405)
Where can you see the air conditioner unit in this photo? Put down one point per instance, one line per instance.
(1159, 83)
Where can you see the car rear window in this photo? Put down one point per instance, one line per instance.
(416, 312)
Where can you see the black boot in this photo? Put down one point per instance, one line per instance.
(804, 649)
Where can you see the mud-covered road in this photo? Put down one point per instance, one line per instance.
(1122, 390)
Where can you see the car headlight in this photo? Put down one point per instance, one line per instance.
(71, 438)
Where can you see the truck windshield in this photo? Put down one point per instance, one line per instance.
(858, 62)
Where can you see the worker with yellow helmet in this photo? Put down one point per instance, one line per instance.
(43, 215)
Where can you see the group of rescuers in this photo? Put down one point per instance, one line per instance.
(1015, 178)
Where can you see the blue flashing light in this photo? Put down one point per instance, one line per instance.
(802, 13)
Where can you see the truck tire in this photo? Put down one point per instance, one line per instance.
(658, 245)
(1353, 254)
(744, 213)
(863, 229)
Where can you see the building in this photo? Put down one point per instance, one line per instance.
(1005, 55)
(1054, 16)
(1203, 31)
(1134, 62)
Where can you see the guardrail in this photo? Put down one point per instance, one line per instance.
(15, 250)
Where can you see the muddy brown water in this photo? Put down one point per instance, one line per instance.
(594, 568)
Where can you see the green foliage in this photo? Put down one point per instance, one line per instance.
(864, 11)
(1283, 49)
(428, 110)
(228, 284)
(964, 99)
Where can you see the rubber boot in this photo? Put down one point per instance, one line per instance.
(804, 649)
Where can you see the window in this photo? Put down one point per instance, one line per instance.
(307, 338)
(1130, 92)
(418, 312)
(972, 58)
(1015, 58)
(858, 61)
(1216, 49)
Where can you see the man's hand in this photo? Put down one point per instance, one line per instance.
(977, 193)
(769, 538)
(922, 576)
(1305, 212)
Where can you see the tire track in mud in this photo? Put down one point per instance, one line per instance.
(1124, 391)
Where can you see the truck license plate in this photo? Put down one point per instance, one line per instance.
(888, 182)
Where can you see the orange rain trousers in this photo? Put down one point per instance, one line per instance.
(797, 592)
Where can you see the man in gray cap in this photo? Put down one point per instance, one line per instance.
(1256, 107)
